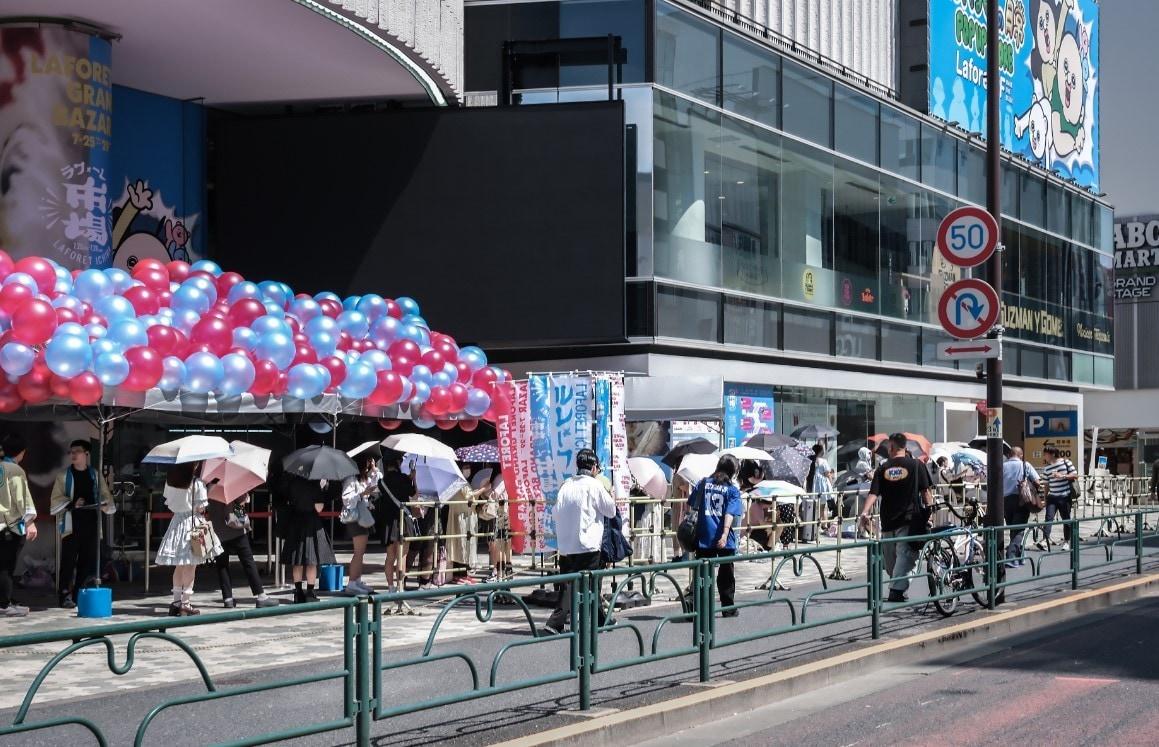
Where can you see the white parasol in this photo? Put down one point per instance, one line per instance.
(188, 449)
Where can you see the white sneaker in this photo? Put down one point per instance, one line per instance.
(1064, 546)
(353, 589)
(14, 610)
(365, 587)
(1040, 546)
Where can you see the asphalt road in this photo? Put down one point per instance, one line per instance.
(1089, 681)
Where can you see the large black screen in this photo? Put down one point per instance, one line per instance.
(507, 225)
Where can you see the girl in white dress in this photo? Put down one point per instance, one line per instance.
(186, 496)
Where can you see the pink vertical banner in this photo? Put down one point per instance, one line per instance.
(517, 461)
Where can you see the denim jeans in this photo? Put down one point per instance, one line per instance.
(899, 558)
(1060, 505)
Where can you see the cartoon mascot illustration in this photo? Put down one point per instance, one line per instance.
(168, 239)
(1055, 121)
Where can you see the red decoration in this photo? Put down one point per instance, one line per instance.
(153, 273)
(458, 397)
(144, 300)
(34, 322)
(214, 333)
(245, 311)
(337, 368)
(10, 400)
(178, 271)
(265, 377)
(439, 403)
(145, 368)
(15, 295)
(35, 386)
(389, 389)
(469, 424)
(40, 270)
(7, 266)
(389, 424)
(225, 281)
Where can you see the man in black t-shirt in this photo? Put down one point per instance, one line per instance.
(902, 484)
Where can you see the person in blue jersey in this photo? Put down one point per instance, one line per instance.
(717, 501)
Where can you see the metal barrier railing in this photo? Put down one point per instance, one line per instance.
(594, 620)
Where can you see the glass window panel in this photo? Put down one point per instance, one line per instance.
(1082, 368)
(1103, 229)
(855, 238)
(855, 124)
(1033, 257)
(805, 101)
(1084, 278)
(1010, 358)
(750, 160)
(1011, 276)
(907, 236)
(687, 54)
(1032, 199)
(971, 173)
(1009, 191)
(808, 331)
(1057, 210)
(640, 322)
(807, 224)
(856, 337)
(687, 314)
(934, 274)
(624, 18)
(1058, 365)
(1080, 219)
(751, 81)
(900, 141)
(1033, 363)
(901, 343)
(686, 188)
(1104, 371)
(938, 157)
(750, 322)
(1104, 301)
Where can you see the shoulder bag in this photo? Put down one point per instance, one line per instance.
(1028, 495)
(686, 532)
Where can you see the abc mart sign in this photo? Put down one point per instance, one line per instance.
(1137, 258)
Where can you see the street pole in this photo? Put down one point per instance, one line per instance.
(994, 455)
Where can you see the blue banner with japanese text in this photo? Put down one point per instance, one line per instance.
(561, 425)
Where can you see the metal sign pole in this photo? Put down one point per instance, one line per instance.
(994, 455)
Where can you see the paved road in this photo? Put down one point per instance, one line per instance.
(1088, 681)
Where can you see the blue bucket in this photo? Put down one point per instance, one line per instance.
(95, 601)
(332, 578)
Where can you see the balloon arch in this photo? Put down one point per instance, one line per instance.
(166, 331)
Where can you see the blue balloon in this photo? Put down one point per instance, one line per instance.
(72, 303)
(325, 344)
(320, 324)
(307, 380)
(305, 309)
(324, 295)
(63, 283)
(97, 331)
(275, 293)
(474, 357)
(244, 338)
(244, 289)
(111, 368)
(416, 320)
(350, 303)
(100, 347)
(71, 328)
(412, 333)
(385, 330)
(373, 305)
(274, 309)
(419, 421)
(408, 305)
(185, 319)
(205, 285)
(16, 358)
(128, 333)
(172, 374)
(119, 278)
(361, 378)
(68, 355)
(478, 402)
(263, 325)
(378, 359)
(424, 336)
(113, 308)
(421, 373)
(277, 347)
(237, 374)
(203, 373)
(22, 278)
(204, 264)
(190, 297)
(450, 370)
(421, 392)
(354, 323)
(442, 378)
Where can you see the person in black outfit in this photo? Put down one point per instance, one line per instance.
(306, 546)
(902, 484)
(235, 540)
(74, 494)
(395, 490)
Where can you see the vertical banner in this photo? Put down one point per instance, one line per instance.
(748, 410)
(520, 478)
(561, 425)
(612, 437)
(56, 106)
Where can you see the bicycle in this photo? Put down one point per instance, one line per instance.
(950, 561)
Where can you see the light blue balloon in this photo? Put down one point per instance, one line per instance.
(244, 289)
(378, 359)
(203, 373)
(119, 278)
(421, 392)
(350, 303)
(450, 370)
(324, 295)
(424, 336)
(325, 344)
(63, 285)
(22, 278)
(205, 285)
(72, 303)
(114, 307)
(373, 305)
(474, 357)
(268, 323)
(237, 374)
(71, 328)
(190, 297)
(111, 368)
(361, 378)
(100, 347)
(274, 309)
(129, 333)
(68, 355)
(442, 378)
(408, 305)
(421, 373)
(307, 380)
(408, 389)
(416, 320)
(275, 292)
(478, 402)
(385, 330)
(412, 333)
(320, 324)
(305, 309)
(16, 358)
(172, 374)
(185, 320)
(166, 316)
(354, 323)
(277, 347)
(421, 422)
(207, 265)
(245, 338)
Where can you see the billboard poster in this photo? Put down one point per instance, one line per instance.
(56, 113)
(520, 478)
(1059, 428)
(1136, 259)
(748, 410)
(612, 437)
(1049, 62)
(561, 413)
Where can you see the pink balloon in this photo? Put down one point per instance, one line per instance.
(34, 322)
(85, 388)
(40, 270)
(145, 368)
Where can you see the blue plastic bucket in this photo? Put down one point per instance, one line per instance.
(96, 601)
(332, 578)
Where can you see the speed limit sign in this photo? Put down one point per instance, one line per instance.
(968, 236)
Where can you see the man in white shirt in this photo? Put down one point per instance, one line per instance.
(580, 509)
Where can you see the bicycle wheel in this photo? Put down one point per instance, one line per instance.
(977, 555)
(943, 576)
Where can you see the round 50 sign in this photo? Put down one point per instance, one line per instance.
(968, 236)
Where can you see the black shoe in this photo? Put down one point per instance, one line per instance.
(66, 603)
(730, 613)
(229, 604)
(896, 596)
(311, 596)
(175, 609)
(299, 596)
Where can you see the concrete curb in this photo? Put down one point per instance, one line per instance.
(647, 722)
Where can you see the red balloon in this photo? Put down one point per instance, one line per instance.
(360, 345)
(301, 339)
(144, 300)
(295, 325)
(389, 423)
(66, 315)
(145, 368)
(458, 397)
(202, 274)
(439, 403)
(281, 384)
(10, 400)
(178, 270)
(389, 389)
(153, 273)
(330, 307)
(265, 377)
(40, 270)
(403, 364)
(465, 372)
(304, 354)
(34, 322)
(337, 368)
(7, 266)
(163, 298)
(216, 313)
(447, 348)
(245, 311)
(216, 333)
(85, 388)
(162, 339)
(15, 295)
(469, 424)
(59, 386)
(393, 309)
(484, 378)
(182, 348)
(405, 347)
(35, 386)
(346, 342)
(446, 425)
(433, 360)
(491, 415)
(225, 281)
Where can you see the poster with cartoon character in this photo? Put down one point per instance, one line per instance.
(1049, 53)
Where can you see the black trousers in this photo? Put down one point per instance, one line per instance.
(78, 553)
(1015, 513)
(240, 547)
(584, 561)
(725, 578)
(10, 544)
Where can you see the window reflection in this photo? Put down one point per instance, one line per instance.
(687, 53)
(938, 159)
(687, 314)
(900, 143)
(751, 85)
(855, 124)
(855, 239)
(807, 224)
(754, 323)
(750, 160)
(806, 97)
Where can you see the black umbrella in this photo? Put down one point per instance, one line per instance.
(815, 432)
(766, 441)
(320, 463)
(788, 464)
(979, 443)
(693, 446)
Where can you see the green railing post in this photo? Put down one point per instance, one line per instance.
(1074, 554)
(585, 624)
(702, 592)
(364, 706)
(1139, 542)
(874, 570)
(992, 565)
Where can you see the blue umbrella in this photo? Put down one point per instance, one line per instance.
(484, 453)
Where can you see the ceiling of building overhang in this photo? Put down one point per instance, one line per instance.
(234, 51)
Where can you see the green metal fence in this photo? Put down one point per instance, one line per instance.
(363, 665)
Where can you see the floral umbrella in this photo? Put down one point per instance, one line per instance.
(484, 453)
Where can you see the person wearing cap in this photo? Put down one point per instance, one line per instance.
(17, 520)
(580, 509)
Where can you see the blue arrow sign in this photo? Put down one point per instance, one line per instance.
(972, 303)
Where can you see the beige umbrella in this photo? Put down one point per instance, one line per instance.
(237, 474)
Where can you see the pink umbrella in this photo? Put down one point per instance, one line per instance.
(238, 473)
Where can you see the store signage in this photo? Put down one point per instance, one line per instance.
(968, 236)
(748, 410)
(1049, 63)
(968, 309)
(1058, 428)
(1137, 259)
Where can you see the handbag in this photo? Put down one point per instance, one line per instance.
(1028, 495)
(199, 538)
(364, 516)
(237, 518)
(686, 532)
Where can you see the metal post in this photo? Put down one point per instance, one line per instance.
(702, 593)
(993, 542)
(585, 619)
(1074, 554)
(1139, 542)
(100, 469)
(874, 571)
(994, 455)
(362, 674)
